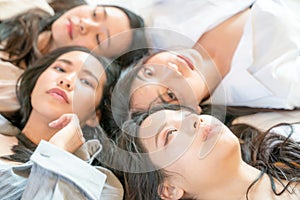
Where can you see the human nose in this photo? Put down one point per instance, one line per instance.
(174, 67)
(193, 121)
(87, 25)
(66, 82)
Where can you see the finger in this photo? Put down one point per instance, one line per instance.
(61, 122)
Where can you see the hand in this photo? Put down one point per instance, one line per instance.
(70, 136)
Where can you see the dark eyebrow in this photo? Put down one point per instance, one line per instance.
(158, 132)
(90, 74)
(69, 62)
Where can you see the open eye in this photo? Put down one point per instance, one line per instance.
(148, 72)
(171, 95)
(87, 82)
(167, 97)
(60, 69)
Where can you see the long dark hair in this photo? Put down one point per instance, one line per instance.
(19, 34)
(138, 46)
(27, 81)
(119, 103)
(274, 154)
(139, 183)
(29, 78)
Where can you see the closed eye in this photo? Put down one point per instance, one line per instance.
(168, 135)
(94, 13)
(98, 40)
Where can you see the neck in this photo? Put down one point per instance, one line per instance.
(211, 76)
(227, 36)
(37, 128)
(235, 185)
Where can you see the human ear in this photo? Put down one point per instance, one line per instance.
(198, 109)
(170, 192)
(94, 120)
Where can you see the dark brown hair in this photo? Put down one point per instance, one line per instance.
(274, 154)
(19, 34)
(27, 82)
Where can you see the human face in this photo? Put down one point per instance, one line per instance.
(96, 28)
(169, 77)
(72, 84)
(175, 141)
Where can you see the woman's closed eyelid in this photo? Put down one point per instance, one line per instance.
(94, 12)
(98, 39)
(168, 133)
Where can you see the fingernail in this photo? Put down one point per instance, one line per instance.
(51, 124)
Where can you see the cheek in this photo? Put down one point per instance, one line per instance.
(85, 100)
(85, 41)
(41, 84)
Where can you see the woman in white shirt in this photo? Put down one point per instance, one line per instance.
(254, 44)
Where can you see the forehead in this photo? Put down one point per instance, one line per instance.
(154, 122)
(82, 59)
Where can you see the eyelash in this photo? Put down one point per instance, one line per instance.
(94, 12)
(171, 95)
(148, 72)
(60, 69)
(98, 40)
(170, 132)
(86, 82)
(97, 35)
(161, 97)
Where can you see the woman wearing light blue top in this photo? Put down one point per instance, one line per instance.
(61, 97)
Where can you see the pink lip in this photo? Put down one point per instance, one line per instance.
(211, 132)
(70, 29)
(59, 94)
(188, 61)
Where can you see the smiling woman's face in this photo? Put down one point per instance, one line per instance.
(95, 28)
(197, 151)
(73, 83)
(168, 77)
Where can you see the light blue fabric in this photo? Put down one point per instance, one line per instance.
(11, 185)
(57, 174)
